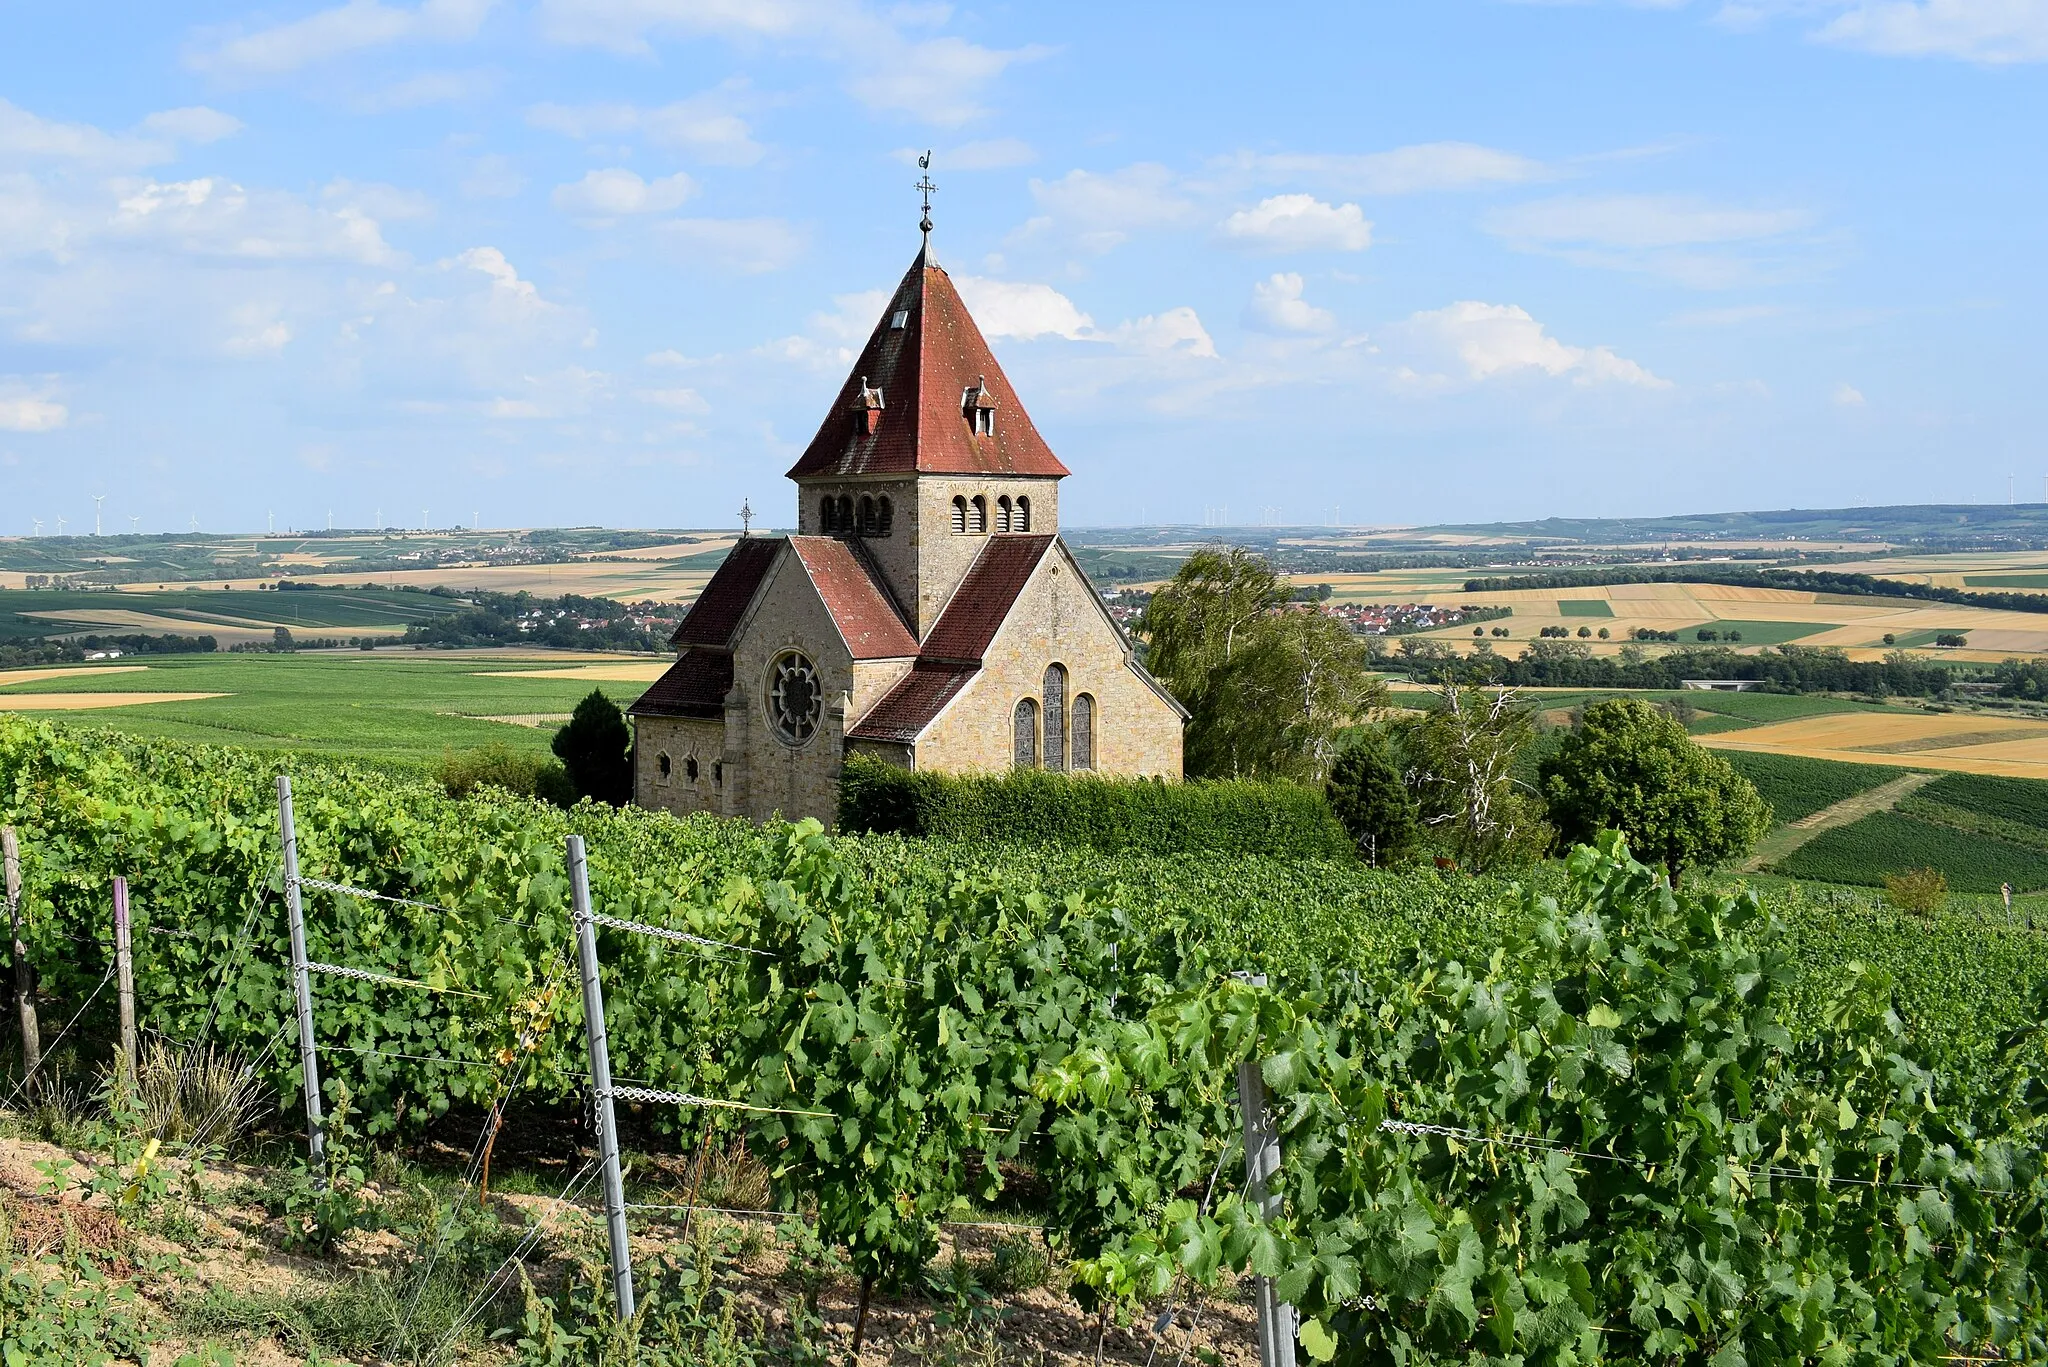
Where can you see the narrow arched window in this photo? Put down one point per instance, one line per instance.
(977, 516)
(959, 513)
(1055, 716)
(825, 518)
(846, 523)
(1003, 513)
(662, 768)
(1022, 521)
(1024, 725)
(886, 517)
(1083, 739)
(690, 768)
(867, 515)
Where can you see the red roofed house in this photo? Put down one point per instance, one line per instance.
(926, 613)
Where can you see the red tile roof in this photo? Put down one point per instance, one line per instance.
(909, 707)
(716, 614)
(983, 601)
(922, 370)
(694, 686)
(866, 619)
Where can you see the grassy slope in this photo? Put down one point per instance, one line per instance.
(360, 705)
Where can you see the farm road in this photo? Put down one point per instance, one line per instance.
(1791, 836)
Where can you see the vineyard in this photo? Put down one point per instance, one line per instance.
(1576, 1120)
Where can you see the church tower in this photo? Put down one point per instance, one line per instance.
(926, 452)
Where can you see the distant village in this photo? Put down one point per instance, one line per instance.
(1127, 606)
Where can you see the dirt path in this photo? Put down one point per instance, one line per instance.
(1791, 836)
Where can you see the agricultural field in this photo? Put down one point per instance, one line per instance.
(230, 616)
(402, 707)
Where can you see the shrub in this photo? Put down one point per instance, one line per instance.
(1030, 806)
(1923, 891)
(597, 750)
(462, 772)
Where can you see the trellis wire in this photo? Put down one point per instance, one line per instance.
(490, 1289)
(365, 975)
(681, 936)
(52, 1047)
(686, 1099)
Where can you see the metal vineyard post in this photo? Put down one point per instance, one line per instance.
(302, 986)
(24, 976)
(601, 1080)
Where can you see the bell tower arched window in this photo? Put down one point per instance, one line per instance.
(1003, 513)
(1024, 733)
(867, 516)
(959, 514)
(846, 523)
(1021, 520)
(977, 516)
(1055, 716)
(885, 517)
(827, 522)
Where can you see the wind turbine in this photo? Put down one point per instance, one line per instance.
(39, 526)
(134, 523)
(195, 522)
(423, 519)
(97, 500)
(380, 519)
(270, 522)
(60, 524)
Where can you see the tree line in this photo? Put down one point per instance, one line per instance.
(1801, 581)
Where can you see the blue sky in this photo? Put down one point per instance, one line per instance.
(568, 261)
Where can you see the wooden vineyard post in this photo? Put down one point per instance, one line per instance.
(302, 985)
(1278, 1323)
(601, 1080)
(24, 976)
(124, 975)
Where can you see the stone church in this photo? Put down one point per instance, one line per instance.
(926, 613)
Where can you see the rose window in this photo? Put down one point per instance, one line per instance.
(795, 699)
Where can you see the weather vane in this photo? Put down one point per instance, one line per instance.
(924, 185)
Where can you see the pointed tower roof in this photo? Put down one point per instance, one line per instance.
(904, 406)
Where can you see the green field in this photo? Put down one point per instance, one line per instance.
(381, 705)
(197, 611)
(1763, 633)
(2005, 581)
(1797, 787)
(1762, 708)
(1892, 842)
(1585, 607)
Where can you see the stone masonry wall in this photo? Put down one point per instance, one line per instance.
(682, 739)
(774, 777)
(1057, 619)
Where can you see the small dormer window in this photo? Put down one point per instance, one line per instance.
(866, 409)
(978, 406)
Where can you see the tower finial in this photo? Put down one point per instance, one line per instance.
(925, 187)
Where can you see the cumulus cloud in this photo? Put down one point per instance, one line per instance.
(215, 217)
(615, 191)
(1847, 396)
(26, 407)
(342, 31)
(708, 125)
(26, 137)
(194, 124)
(1298, 223)
(1401, 171)
(1277, 306)
(830, 339)
(1496, 340)
(1177, 331)
(1006, 308)
(889, 66)
(754, 246)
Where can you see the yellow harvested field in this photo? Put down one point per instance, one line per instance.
(1999, 746)
(78, 702)
(615, 673)
(15, 676)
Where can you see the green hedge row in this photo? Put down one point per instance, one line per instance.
(1030, 806)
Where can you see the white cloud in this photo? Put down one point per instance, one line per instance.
(1299, 223)
(385, 203)
(1277, 306)
(28, 137)
(1640, 221)
(1006, 308)
(989, 154)
(751, 245)
(1102, 209)
(1402, 171)
(194, 123)
(28, 408)
(356, 26)
(1493, 340)
(830, 340)
(1177, 331)
(256, 330)
(1993, 32)
(707, 125)
(939, 80)
(425, 88)
(492, 176)
(1690, 241)
(1847, 395)
(213, 217)
(604, 194)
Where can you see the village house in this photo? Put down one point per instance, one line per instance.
(926, 613)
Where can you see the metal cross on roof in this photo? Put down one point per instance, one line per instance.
(925, 187)
(746, 518)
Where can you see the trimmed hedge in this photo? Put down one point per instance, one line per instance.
(1030, 806)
